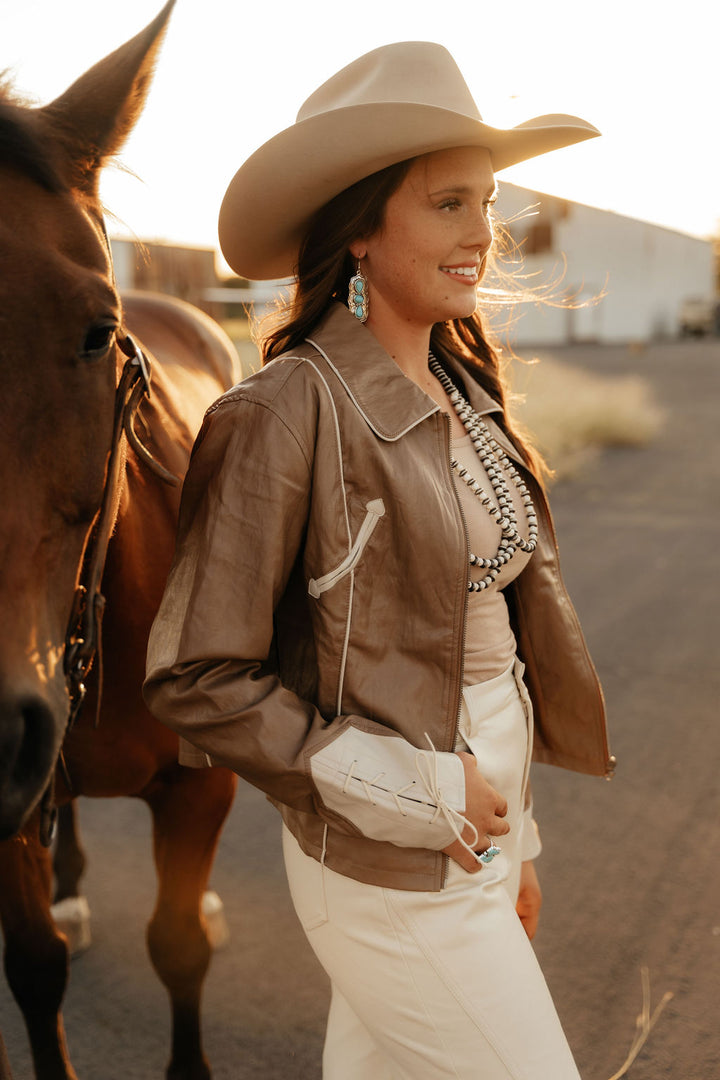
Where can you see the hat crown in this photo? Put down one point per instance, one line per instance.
(395, 103)
(417, 72)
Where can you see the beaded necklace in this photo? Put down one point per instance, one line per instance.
(494, 461)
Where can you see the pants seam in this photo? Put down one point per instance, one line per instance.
(392, 916)
(455, 990)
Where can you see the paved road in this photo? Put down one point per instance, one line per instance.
(631, 869)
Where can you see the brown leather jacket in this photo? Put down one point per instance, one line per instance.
(318, 598)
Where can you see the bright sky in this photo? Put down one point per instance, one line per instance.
(233, 73)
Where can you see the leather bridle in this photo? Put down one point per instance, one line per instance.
(83, 637)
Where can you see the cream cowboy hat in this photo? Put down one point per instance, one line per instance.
(393, 103)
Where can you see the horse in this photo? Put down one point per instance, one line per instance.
(75, 392)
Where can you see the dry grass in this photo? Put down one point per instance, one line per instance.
(238, 330)
(572, 413)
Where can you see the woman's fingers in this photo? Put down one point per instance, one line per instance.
(485, 812)
(463, 857)
(499, 827)
(485, 808)
(529, 899)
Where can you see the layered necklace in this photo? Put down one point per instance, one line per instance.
(497, 465)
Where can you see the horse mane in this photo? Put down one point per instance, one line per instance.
(22, 144)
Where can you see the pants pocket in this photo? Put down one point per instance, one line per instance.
(307, 883)
(518, 672)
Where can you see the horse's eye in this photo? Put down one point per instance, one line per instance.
(97, 341)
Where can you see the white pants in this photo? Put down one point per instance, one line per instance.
(433, 985)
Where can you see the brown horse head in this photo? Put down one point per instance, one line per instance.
(59, 317)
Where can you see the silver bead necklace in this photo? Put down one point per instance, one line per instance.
(494, 460)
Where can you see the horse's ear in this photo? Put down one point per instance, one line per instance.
(93, 118)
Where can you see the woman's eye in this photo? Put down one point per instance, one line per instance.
(449, 204)
(97, 341)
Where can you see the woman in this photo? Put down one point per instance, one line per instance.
(344, 621)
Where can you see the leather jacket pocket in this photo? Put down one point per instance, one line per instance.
(317, 586)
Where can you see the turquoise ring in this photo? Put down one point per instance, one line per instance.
(489, 854)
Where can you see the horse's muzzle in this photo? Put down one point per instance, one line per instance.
(29, 743)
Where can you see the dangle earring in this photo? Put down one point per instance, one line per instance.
(358, 295)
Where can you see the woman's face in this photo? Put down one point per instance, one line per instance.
(423, 266)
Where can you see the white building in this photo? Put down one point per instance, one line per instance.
(617, 279)
(643, 272)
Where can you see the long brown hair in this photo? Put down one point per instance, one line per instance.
(325, 267)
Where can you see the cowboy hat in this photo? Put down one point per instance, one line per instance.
(394, 103)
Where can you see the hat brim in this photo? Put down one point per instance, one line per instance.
(272, 197)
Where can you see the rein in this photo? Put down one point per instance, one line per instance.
(83, 637)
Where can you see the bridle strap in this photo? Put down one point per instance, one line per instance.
(138, 361)
(83, 636)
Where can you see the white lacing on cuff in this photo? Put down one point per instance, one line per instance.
(424, 760)
(401, 791)
(349, 777)
(426, 763)
(367, 785)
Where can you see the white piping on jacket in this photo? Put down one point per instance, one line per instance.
(358, 406)
(317, 586)
(346, 642)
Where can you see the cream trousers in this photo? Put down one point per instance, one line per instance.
(433, 985)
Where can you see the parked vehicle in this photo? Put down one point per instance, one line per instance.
(699, 316)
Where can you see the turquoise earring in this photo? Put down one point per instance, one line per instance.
(358, 295)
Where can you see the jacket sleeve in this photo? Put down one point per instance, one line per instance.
(243, 515)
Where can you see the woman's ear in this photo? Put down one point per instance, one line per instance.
(358, 249)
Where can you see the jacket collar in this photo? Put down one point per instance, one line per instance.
(390, 402)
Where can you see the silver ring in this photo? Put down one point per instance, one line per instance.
(489, 854)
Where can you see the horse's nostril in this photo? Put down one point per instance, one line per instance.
(28, 748)
(39, 725)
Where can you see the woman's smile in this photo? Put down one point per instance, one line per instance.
(466, 274)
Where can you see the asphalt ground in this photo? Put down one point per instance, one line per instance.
(630, 869)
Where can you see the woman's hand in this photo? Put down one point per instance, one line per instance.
(529, 899)
(485, 809)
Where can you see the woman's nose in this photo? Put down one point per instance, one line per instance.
(480, 237)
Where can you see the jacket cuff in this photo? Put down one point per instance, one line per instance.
(390, 790)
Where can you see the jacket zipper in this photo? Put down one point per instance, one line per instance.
(466, 540)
